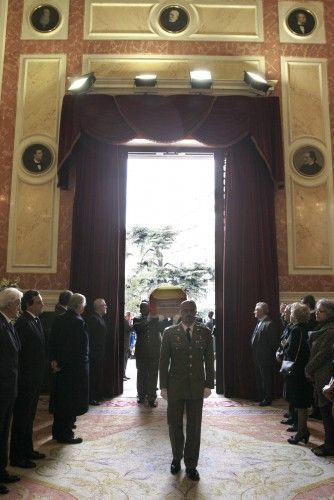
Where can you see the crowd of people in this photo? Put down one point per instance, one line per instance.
(76, 355)
(305, 355)
(180, 349)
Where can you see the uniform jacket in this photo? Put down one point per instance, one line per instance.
(320, 364)
(148, 333)
(186, 368)
(264, 342)
(9, 359)
(33, 355)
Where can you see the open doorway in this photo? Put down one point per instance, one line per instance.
(170, 222)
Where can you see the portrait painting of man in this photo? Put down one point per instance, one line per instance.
(301, 22)
(174, 19)
(308, 161)
(37, 158)
(45, 18)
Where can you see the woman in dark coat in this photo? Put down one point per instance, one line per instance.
(298, 390)
(70, 363)
(319, 370)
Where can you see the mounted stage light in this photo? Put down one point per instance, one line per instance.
(145, 80)
(257, 82)
(82, 84)
(200, 79)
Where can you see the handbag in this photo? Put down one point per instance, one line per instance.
(287, 367)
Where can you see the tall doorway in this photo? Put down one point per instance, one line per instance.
(170, 222)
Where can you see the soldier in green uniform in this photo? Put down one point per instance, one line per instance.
(186, 377)
(147, 352)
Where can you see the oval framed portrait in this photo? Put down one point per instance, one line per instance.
(37, 158)
(301, 22)
(174, 19)
(308, 161)
(45, 18)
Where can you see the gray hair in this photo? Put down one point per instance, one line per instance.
(97, 302)
(300, 312)
(263, 306)
(9, 295)
(76, 300)
(328, 306)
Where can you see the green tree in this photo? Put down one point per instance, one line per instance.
(152, 270)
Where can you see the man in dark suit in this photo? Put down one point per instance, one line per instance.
(64, 298)
(147, 352)
(186, 377)
(97, 332)
(69, 352)
(10, 300)
(32, 361)
(264, 343)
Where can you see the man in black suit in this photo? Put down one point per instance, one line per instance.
(69, 353)
(32, 361)
(264, 342)
(64, 298)
(97, 332)
(10, 300)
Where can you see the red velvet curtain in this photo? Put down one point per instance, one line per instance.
(243, 130)
(249, 265)
(98, 242)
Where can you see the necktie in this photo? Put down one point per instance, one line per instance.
(12, 334)
(188, 335)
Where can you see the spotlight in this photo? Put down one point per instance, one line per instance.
(257, 82)
(145, 80)
(200, 79)
(82, 84)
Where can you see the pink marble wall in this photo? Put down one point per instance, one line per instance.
(74, 47)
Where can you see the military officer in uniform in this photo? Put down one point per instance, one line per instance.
(148, 330)
(186, 377)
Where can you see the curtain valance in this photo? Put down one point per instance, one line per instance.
(217, 121)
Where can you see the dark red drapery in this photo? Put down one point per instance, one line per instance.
(244, 129)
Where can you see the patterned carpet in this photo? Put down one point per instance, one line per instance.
(126, 455)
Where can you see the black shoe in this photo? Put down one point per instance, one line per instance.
(140, 401)
(297, 438)
(23, 464)
(287, 421)
(71, 440)
(323, 451)
(152, 404)
(3, 489)
(93, 402)
(7, 478)
(175, 466)
(293, 428)
(36, 455)
(315, 416)
(265, 402)
(192, 474)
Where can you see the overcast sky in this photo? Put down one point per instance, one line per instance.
(178, 192)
